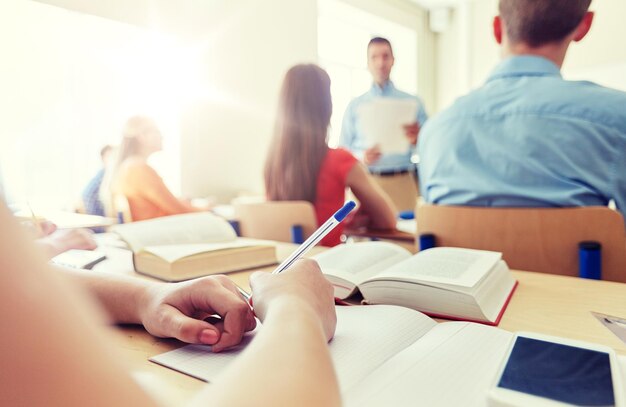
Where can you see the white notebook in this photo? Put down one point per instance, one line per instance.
(389, 355)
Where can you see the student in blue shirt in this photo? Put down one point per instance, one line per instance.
(527, 137)
(91, 194)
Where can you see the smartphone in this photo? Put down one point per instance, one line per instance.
(546, 371)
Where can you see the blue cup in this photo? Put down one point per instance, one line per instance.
(590, 260)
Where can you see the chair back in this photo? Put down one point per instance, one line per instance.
(275, 220)
(534, 239)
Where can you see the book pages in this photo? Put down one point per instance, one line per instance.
(362, 342)
(453, 266)
(357, 262)
(201, 227)
(454, 364)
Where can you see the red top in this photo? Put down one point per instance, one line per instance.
(331, 190)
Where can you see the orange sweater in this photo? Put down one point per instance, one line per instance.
(147, 194)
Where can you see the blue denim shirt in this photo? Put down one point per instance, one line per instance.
(527, 138)
(352, 136)
(91, 195)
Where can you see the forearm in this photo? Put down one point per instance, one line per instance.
(292, 346)
(120, 296)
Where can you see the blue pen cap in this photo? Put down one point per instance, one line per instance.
(344, 211)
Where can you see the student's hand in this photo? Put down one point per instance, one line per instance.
(411, 131)
(178, 311)
(63, 240)
(371, 155)
(302, 285)
(45, 228)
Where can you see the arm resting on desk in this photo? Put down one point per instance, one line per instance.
(173, 310)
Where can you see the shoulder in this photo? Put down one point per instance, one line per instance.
(339, 160)
(340, 155)
(354, 103)
(400, 94)
(136, 168)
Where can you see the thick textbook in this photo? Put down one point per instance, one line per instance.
(446, 282)
(181, 247)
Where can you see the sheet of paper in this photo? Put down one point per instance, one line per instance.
(454, 364)
(365, 338)
(382, 122)
(616, 325)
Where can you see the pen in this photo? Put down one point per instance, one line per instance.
(35, 220)
(314, 239)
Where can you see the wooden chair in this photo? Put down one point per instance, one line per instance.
(402, 189)
(278, 220)
(534, 239)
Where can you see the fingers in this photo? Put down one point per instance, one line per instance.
(187, 329)
(226, 301)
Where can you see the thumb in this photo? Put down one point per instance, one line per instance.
(188, 329)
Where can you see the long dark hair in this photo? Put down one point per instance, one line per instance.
(299, 144)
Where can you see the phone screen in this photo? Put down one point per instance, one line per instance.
(559, 372)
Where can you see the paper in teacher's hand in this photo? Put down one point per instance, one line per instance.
(382, 122)
(616, 325)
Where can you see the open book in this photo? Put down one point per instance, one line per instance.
(389, 356)
(447, 282)
(181, 247)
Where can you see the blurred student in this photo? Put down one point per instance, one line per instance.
(394, 172)
(301, 166)
(527, 137)
(91, 194)
(132, 178)
(56, 339)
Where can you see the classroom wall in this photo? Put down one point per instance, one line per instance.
(468, 43)
(225, 137)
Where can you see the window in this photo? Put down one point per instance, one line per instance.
(69, 82)
(343, 34)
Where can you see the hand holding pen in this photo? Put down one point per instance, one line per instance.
(314, 239)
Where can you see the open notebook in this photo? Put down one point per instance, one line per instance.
(388, 355)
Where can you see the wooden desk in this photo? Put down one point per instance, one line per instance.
(549, 304)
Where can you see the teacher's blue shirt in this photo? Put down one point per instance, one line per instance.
(352, 137)
(527, 138)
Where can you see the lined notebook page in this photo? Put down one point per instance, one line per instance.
(454, 364)
(365, 338)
